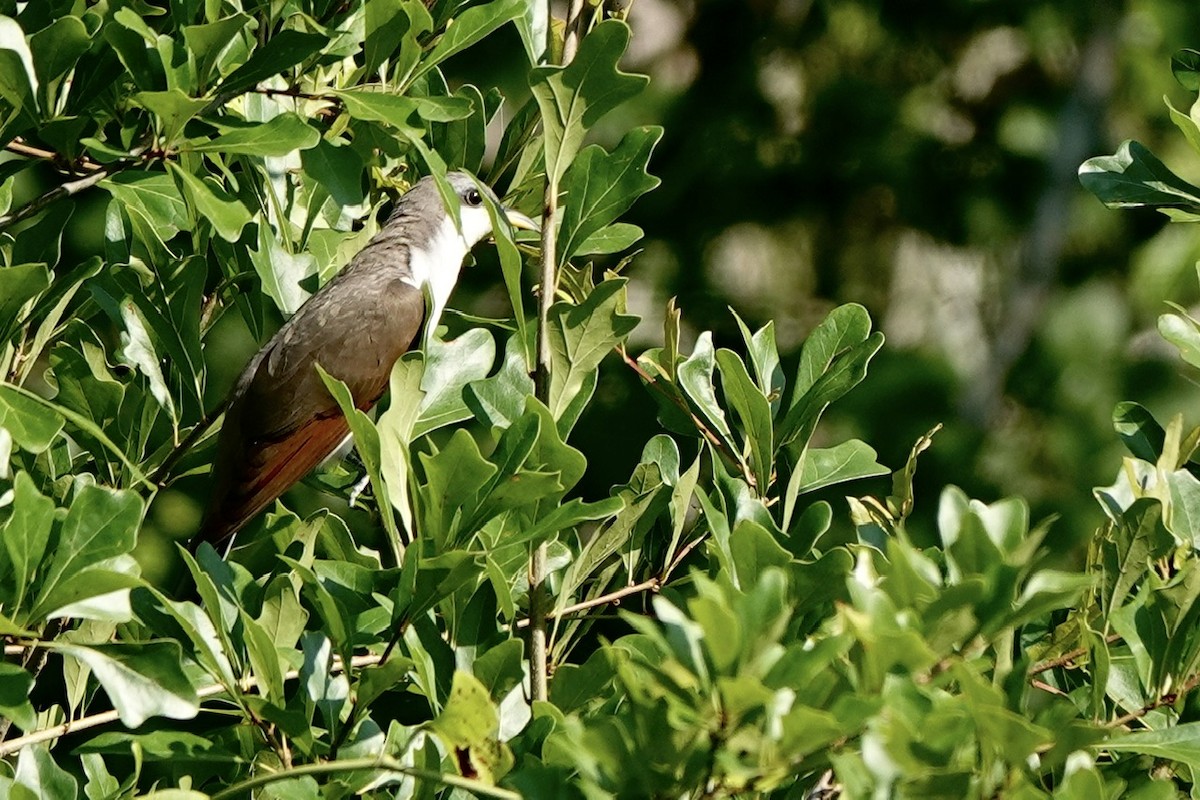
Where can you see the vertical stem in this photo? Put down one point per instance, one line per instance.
(539, 599)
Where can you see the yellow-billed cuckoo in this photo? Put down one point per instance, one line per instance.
(280, 420)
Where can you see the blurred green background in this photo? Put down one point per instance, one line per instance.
(920, 159)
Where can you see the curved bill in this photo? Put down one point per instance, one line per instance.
(519, 220)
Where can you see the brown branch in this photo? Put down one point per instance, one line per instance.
(651, 585)
(1045, 687)
(21, 148)
(1168, 699)
(1066, 658)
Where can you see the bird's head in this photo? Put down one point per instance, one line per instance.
(474, 219)
(438, 244)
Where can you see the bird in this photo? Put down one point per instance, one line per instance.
(280, 420)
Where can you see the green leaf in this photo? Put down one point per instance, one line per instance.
(461, 138)
(1132, 177)
(1138, 429)
(338, 168)
(56, 47)
(226, 213)
(574, 97)
(206, 42)
(1177, 743)
(848, 461)
(15, 686)
(843, 328)
(371, 106)
(142, 680)
(498, 401)
(18, 286)
(154, 197)
(96, 593)
(25, 414)
(173, 108)
(499, 670)
(467, 28)
(32, 426)
(264, 659)
(459, 106)
(610, 239)
(456, 479)
(376, 679)
(754, 551)
(753, 411)
(1183, 332)
(599, 187)
(695, 378)
(100, 524)
(449, 367)
(469, 725)
(283, 51)
(137, 350)
(26, 534)
(387, 24)
(129, 38)
(277, 136)
(37, 772)
(18, 78)
(1185, 66)
(844, 372)
(366, 441)
(281, 272)
(581, 336)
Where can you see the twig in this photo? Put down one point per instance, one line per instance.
(1168, 699)
(29, 151)
(651, 585)
(703, 429)
(539, 600)
(105, 717)
(370, 764)
(293, 93)
(1045, 687)
(67, 189)
(1067, 658)
(163, 470)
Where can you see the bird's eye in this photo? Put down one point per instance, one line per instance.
(473, 197)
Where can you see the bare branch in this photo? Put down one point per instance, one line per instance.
(651, 585)
(67, 189)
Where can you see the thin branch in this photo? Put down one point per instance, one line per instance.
(539, 600)
(106, 717)
(1168, 699)
(1045, 687)
(67, 189)
(1068, 657)
(163, 470)
(379, 764)
(651, 585)
(703, 429)
(29, 151)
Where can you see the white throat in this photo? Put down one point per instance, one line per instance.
(435, 269)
